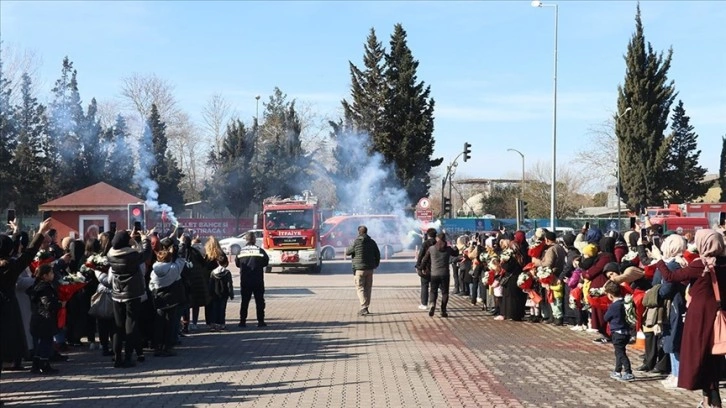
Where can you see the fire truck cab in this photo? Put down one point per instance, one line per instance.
(291, 232)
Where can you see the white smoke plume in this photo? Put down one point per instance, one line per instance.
(371, 188)
(142, 177)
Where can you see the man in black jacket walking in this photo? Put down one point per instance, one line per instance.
(424, 274)
(366, 257)
(251, 262)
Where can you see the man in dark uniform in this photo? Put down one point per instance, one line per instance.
(251, 262)
(425, 275)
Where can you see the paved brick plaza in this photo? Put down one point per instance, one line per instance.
(316, 352)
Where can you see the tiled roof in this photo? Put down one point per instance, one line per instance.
(98, 196)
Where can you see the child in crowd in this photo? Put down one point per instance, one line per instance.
(620, 330)
(221, 289)
(44, 319)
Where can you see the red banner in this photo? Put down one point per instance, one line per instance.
(219, 227)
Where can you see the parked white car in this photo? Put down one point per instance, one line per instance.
(232, 245)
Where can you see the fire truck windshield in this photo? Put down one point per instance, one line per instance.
(288, 219)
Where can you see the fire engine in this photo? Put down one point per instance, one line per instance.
(291, 232)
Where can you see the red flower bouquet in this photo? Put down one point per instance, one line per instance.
(66, 290)
(525, 281)
(41, 258)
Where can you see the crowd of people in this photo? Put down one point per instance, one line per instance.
(615, 286)
(124, 292)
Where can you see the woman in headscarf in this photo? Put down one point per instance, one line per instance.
(514, 300)
(698, 368)
(570, 315)
(595, 274)
(673, 294)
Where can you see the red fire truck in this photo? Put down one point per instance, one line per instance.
(291, 232)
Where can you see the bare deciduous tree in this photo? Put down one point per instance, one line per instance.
(570, 186)
(139, 92)
(107, 113)
(187, 148)
(216, 114)
(15, 63)
(598, 158)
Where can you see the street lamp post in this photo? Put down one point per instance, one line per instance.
(553, 189)
(618, 187)
(257, 110)
(521, 193)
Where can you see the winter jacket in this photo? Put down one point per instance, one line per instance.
(365, 253)
(220, 284)
(126, 282)
(424, 249)
(252, 261)
(164, 274)
(44, 305)
(438, 257)
(195, 276)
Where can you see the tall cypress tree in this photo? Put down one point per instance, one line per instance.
(92, 154)
(29, 161)
(407, 138)
(368, 90)
(684, 175)
(642, 143)
(8, 141)
(64, 147)
(164, 170)
(722, 170)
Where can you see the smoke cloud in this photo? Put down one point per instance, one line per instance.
(367, 185)
(142, 176)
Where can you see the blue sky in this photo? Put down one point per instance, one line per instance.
(489, 63)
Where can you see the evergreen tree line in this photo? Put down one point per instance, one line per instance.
(656, 165)
(50, 151)
(389, 106)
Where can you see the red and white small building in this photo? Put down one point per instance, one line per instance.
(99, 205)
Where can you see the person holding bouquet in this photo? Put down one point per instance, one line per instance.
(168, 291)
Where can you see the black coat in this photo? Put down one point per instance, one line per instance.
(127, 282)
(251, 262)
(196, 277)
(44, 304)
(12, 338)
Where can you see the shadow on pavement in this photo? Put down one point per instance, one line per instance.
(217, 368)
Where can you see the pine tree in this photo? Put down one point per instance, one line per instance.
(407, 139)
(722, 171)
(231, 185)
(119, 166)
(8, 141)
(29, 161)
(92, 153)
(282, 168)
(684, 175)
(64, 145)
(164, 169)
(641, 139)
(368, 90)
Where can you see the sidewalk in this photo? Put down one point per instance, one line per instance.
(316, 352)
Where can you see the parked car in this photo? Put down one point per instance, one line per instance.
(232, 245)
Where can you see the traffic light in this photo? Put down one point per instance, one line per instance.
(137, 214)
(467, 151)
(447, 206)
(524, 212)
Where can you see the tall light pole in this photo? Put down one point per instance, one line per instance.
(521, 192)
(521, 195)
(257, 110)
(553, 190)
(618, 187)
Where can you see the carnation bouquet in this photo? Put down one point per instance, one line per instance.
(525, 281)
(545, 275)
(68, 287)
(42, 257)
(95, 263)
(506, 254)
(597, 292)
